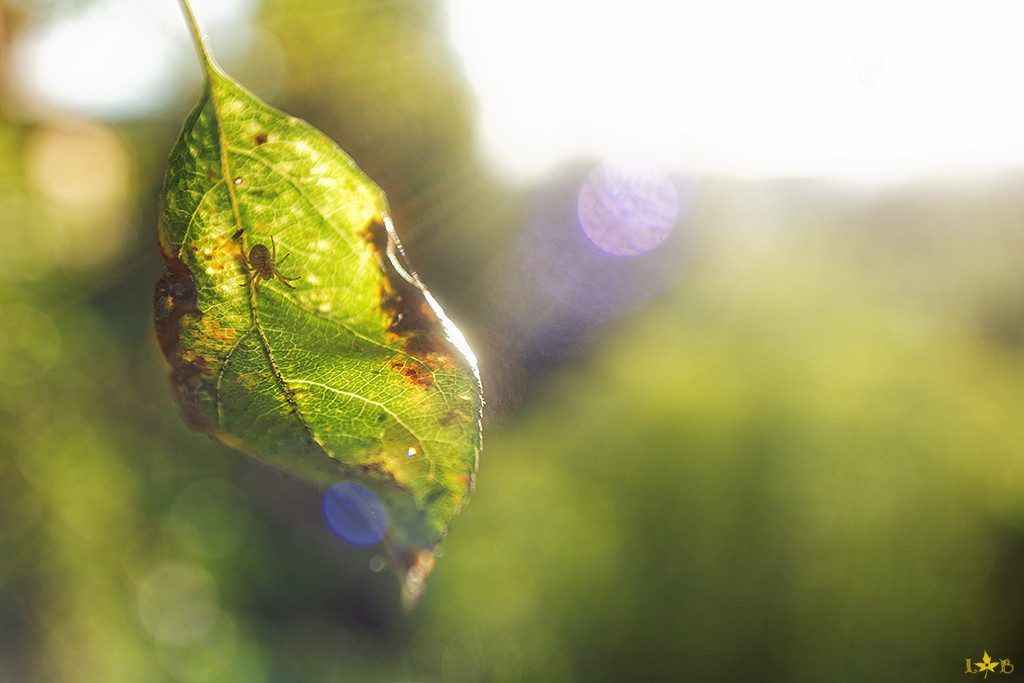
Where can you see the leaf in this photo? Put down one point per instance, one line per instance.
(986, 665)
(295, 330)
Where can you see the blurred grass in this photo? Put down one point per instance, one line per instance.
(792, 481)
(803, 462)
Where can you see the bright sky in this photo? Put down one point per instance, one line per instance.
(863, 89)
(120, 58)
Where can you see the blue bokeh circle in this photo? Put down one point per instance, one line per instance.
(355, 514)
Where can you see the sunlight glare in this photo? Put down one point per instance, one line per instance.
(115, 58)
(866, 90)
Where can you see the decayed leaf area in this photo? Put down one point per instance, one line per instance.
(293, 327)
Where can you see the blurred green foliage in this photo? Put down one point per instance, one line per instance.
(803, 462)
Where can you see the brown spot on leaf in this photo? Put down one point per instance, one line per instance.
(376, 235)
(174, 301)
(379, 470)
(416, 373)
(193, 371)
(212, 329)
(410, 316)
(230, 246)
(433, 349)
(173, 298)
(185, 382)
(260, 138)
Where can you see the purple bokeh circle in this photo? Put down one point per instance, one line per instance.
(627, 212)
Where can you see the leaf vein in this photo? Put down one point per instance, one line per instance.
(293, 181)
(370, 402)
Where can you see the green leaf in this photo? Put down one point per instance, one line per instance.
(295, 330)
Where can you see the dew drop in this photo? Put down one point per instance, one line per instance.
(238, 180)
(411, 452)
(355, 514)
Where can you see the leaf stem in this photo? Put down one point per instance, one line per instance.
(198, 39)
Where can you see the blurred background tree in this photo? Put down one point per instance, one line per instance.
(783, 444)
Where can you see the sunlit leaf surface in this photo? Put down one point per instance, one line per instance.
(295, 331)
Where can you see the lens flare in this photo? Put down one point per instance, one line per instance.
(627, 212)
(562, 280)
(355, 514)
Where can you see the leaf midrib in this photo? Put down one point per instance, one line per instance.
(227, 178)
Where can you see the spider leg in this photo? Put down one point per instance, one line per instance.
(284, 279)
(273, 255)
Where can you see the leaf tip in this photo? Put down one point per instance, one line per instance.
(414, 584)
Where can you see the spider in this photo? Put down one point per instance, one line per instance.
(261, 264)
